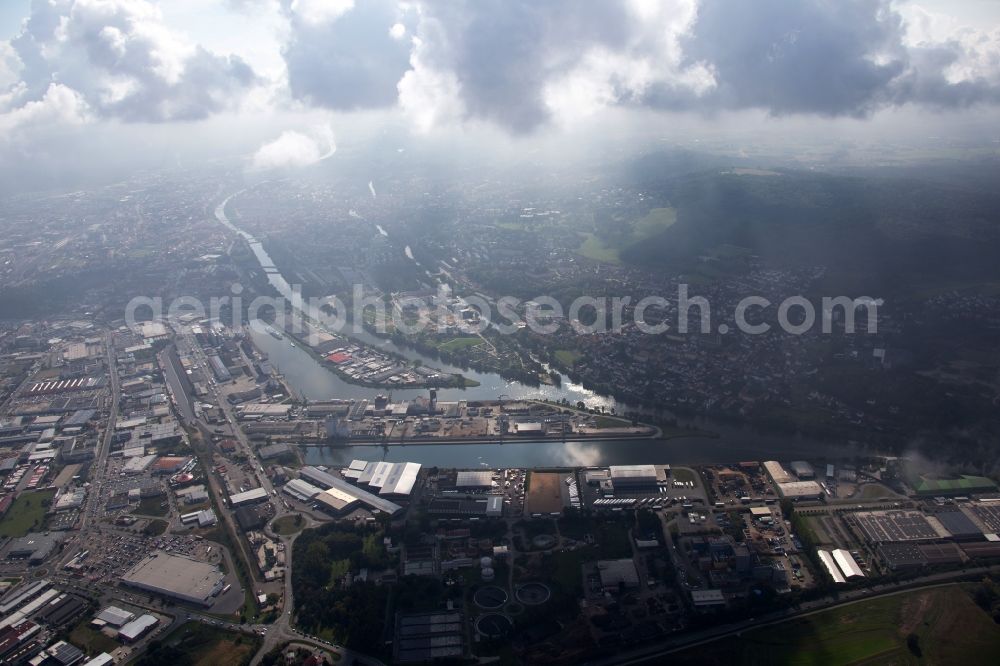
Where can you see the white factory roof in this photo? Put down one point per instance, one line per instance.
(137, 627)
(114, 616)
(265, 409)
(380, 474)
(847, 564)
(103, 659)
(795, 489)
(138, 464)
(302, 489)
(337, 499)
(633, 473)
(326, 480)
(358, 465)
(248, 496)
(830, 566)
(401, 479)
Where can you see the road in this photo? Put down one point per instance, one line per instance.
(93, 501)
(658, 653)
(281, 631)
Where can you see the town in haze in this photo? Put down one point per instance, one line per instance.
(387, 332)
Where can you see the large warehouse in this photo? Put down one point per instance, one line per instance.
(847, 565)
(632, 475)
(248, 497)
(301, 490)
(777, 473)
(476, 479)
(345, 490)
(176, 576)
(400, 479)
(385, 478)
(800, 490)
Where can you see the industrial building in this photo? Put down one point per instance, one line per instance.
(345, 492)
(777, 472)
(959, 525)
(848, 567)
(301, 490)
(830, 566)
(894, 526)
(137, 628)
(176, 576)
(35, 547)
(400, 480)
(114, 616)
(260, 410)
(204, 518)
(901, 556)
(489, 506)
(474, 480)
(385, 478)
(249, 497)
(707, 598)
(800, 490)
(626, 476)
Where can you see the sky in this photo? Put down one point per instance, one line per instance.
(282, 84)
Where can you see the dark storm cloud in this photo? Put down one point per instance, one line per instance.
(504, 52)
(351, 62)
(793, 56)
(843, 58)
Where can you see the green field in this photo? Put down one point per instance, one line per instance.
(593, 248)
(26, 514)
(655, 221)
(459, 343)
(610, 422)
(949, 629)
(90, 640)
(609, 250)
(201, 645)
(567, 357)
(287, 524)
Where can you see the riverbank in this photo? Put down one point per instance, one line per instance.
(457, 381)
(493, 439)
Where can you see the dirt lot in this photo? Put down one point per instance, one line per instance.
(544, 493)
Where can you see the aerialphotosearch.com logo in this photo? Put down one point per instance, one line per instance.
(545, 315)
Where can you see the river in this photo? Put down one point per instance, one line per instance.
(312, 381)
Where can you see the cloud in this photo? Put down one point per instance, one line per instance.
(799, 57)
(348, 60)
(123, 61)
(522, 64)
(294, 149)
(318, 12)
(10, 66)
(59, 105)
